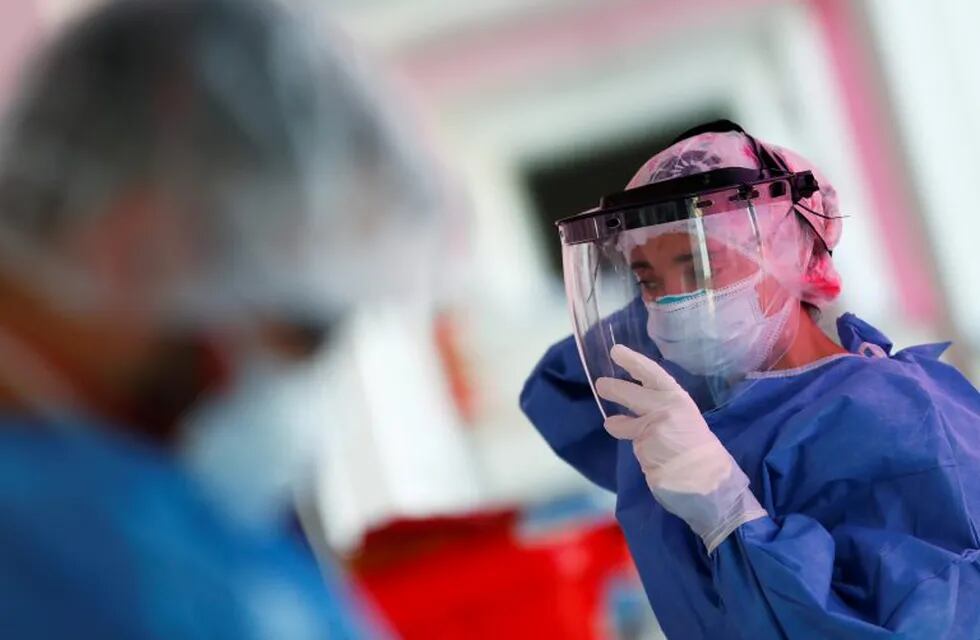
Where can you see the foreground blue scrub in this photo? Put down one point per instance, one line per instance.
(869, 468)
(101, 537)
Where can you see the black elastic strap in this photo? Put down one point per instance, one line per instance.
(680, 188)
(715, 126)
(772, 163)
(769, 161)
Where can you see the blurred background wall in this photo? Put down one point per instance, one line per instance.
(544, 106)
(540, 108)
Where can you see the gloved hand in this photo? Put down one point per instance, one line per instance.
(688, 470)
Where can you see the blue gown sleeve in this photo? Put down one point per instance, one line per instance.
(558, 400)
(873, 498)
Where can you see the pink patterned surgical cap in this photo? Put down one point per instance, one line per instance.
(707, 151)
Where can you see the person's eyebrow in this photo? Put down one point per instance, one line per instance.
(684, 258)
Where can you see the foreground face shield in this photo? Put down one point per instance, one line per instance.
(701, 273)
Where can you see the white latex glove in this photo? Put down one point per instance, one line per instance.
(688, 470)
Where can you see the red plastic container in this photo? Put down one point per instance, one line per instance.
(474, 578)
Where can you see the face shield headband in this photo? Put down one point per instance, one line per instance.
(771, 167)
(682, 199)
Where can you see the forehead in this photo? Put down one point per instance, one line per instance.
(675, 244)
(674, 249)
(668, 243)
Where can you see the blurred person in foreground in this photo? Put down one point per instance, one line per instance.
(193, 193)
(771, 482)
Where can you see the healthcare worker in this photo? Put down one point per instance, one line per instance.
(193, 193)
(770, 482)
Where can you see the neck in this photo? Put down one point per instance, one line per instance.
(51, 364)
(809, 345)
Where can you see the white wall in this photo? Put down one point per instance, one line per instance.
(930, 54)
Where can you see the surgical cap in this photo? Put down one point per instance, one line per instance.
(707, 151)
(280, 175)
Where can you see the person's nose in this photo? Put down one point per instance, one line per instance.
(675, 284)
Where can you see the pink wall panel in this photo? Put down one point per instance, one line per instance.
(866, 107)
(20, 28)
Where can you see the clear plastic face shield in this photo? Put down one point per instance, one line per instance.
(699, 273)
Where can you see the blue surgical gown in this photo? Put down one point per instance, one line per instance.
(868, 465)
(103, 537)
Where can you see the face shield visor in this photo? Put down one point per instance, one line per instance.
(701, 274)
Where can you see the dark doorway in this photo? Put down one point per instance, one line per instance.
(565, 185)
